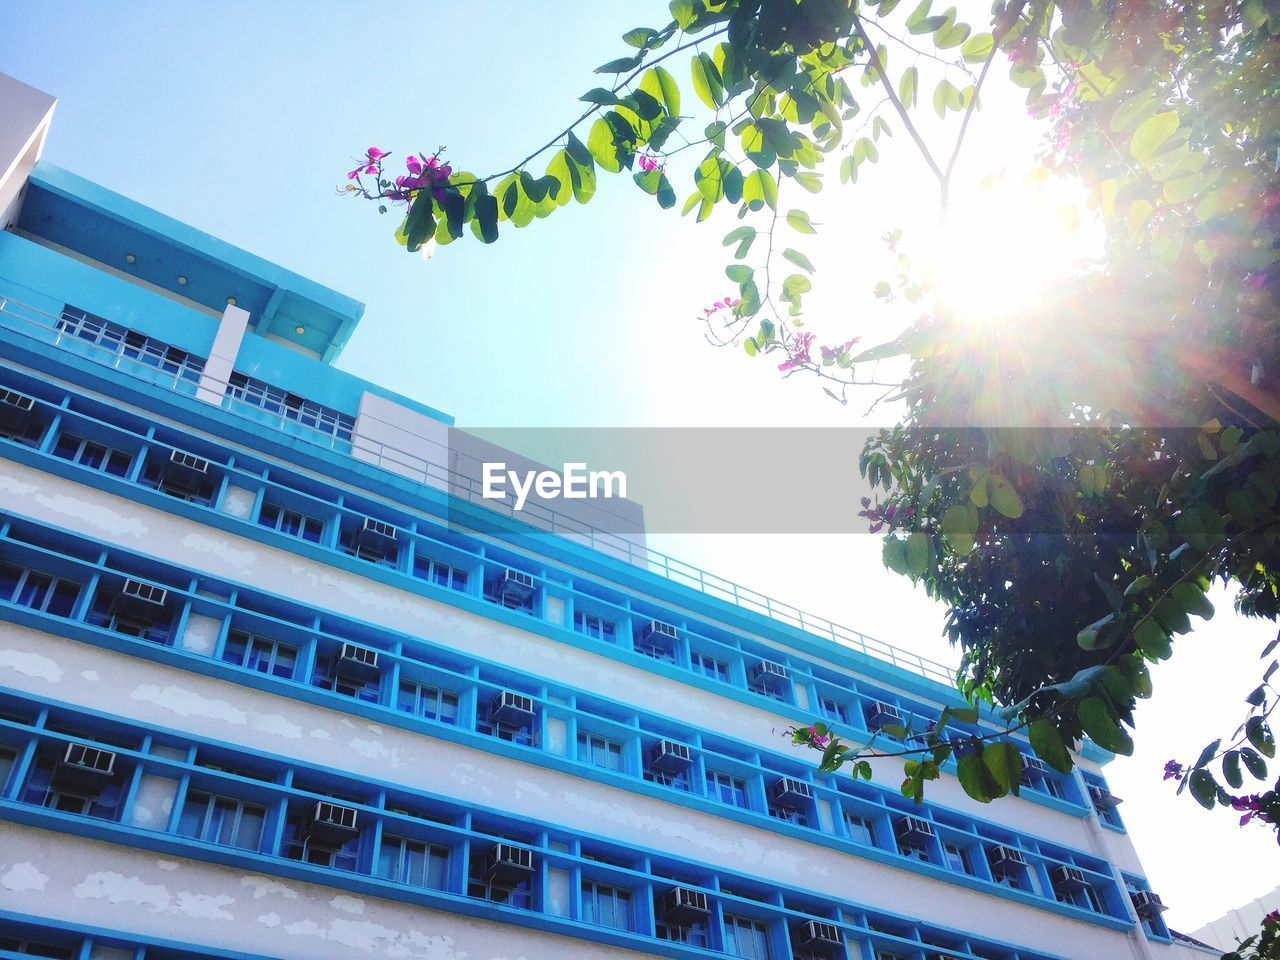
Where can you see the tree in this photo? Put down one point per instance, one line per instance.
(1070, 486)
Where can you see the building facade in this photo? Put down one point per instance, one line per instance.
(276, 682)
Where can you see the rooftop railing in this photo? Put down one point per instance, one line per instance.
(37, 325)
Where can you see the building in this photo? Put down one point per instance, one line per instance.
(275, 683)
(1226, 932)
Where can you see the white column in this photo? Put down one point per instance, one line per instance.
(222, 356)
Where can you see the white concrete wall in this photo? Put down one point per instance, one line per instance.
(222, 355)
(1235, 925)
(25, 115)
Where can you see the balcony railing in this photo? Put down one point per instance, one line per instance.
(43, 327)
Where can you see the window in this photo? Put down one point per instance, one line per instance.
(439, 573)
(516, 730)
(357, 542)
(198, 488)
(95, 456)
(789, 814)
(326, 677)
(592, 626)
(33, 948)
(222, 820)
(261, 654)
(744, 937)
(38, 591)
(861, 829)
(120, 341)
(291, 523)
(291, 406)
(727, 789)
(913, 850)
(679, 779)
(414, 862)
(297, 844)
(8, 757)
(709, 666)
(599, 751)
(1104, 802)
(101, 801)
(956, 857)
(103, 614)
(482, 885)
(1086, 897)
(424, 700)
(606, 906)
(833, 709)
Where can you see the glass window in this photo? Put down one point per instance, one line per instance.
(861, 829)
(424, 700)
(95, 456)
(291, 523)
(261, 654)
(833, 709)
(709, 666)
(8, 757)
(957, 857)
(744, 937)
(103, 614)
(291, 406)
(439, 573)
(599, 751)
(120, 341)
(593, 626)
(414, 862)
(606, 906)
(727, 788)
(222, 820)
(37, 591)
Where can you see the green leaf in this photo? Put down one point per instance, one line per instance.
(917, 554)
(1231, 769)
(760, 189)
(1152, 641)
(749, 345)
(738, 272)
(798, 258)
(1049, 746)
(1089, 637)
(1003, 497)
(662, 86)
(1102, 727)
(1203, 788)
(684, 12)
(1152, 134)
(666, 193)
(799, 221)
(1192, 599)
(960, 527)
(621, 65)
(1253, 760)
(907, 87)
(1004, 762)
(978, 47)
(602, 146)
(1259, 735)
(640, 37)
(706, 81)
(976, 779)
(420, 224)
(486, 219)
(606, 98)
(707, 178)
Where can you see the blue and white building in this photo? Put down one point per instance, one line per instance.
(275, 682)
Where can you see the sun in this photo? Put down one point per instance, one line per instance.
(1001, 245)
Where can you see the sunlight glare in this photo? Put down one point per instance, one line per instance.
(1003, 244)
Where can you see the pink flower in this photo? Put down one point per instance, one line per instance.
(1173, 770)
(648, 162)
(726, 304)
(1252, 805)
(369, 165)
(798, 353)
(818, 739)
(1271, 918)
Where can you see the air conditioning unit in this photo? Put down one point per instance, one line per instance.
(509, 864)
(186, 468)
(139, 600)
(882, 715)
(375, 538)
(669, 756)
(913, 828)
(770, 675)
(683, 906)
(1067, 878)
(513, 708)
(86, 768)
(657, 630)
(1103, 799)
(790, 792)
(331, 824)
(356, 663)
(15, 409)
(816, 935)
(516, 585)
(1148, 904)
(1034, 765)
(1004, 858)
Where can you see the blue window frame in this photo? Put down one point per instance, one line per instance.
(957, 857)
(439, 573)
(292, 523)
(677, 779)
(1103, 801)
(481, 887)
(709, 666)
(413, 862)
(261, 654)
(605, 905)
(861, 829)
(103, 614)
(833, 709)
(91, 454)
(36, 948)
(590, 625)
(425, 700)
(326, 677)
(746, 937)
(222, 820)
(102, 803)
(119, 341)
(487, 724)
(200, 490)
(599, 751)
(8, 757)
(727, 788)
(291, 406)
(37, 591)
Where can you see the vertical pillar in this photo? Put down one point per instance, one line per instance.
(222, 355)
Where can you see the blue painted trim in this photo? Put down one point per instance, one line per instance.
(389, 715)
(118, 938)
(107, 830)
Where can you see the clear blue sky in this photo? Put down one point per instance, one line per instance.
(241, 118)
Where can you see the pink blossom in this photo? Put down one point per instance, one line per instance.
(727, 303)
(369, 165)
(1173, 770)
(798, 352)
(648, 162)
(1252, 805)
(818, 739)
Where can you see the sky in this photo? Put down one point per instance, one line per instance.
(241, 118)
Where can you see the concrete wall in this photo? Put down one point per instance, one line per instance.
(25, 115)
(1234, 925)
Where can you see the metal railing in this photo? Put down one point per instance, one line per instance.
(43, 327)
